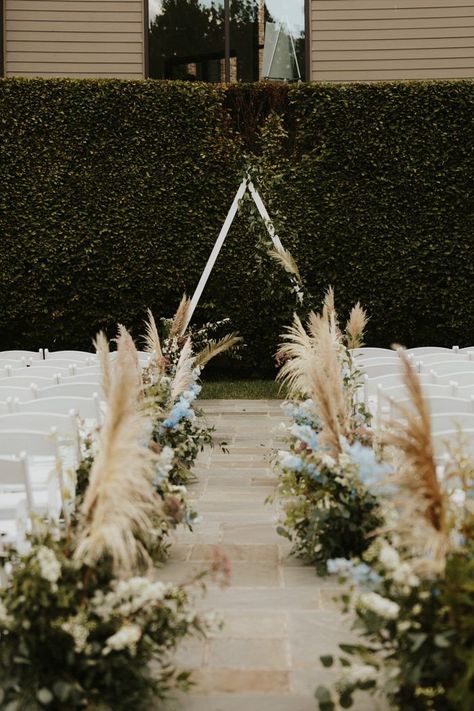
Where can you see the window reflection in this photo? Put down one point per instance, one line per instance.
(266, 39)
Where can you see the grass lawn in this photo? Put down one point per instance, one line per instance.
(241, 390)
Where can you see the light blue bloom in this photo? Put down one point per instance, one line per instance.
(305, 434)
(338, 566)
(370, 470)
(291, 461)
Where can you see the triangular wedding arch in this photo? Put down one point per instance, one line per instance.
(245, 186)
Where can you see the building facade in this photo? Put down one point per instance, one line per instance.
(238, 40)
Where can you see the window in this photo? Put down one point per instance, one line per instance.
(226, 40)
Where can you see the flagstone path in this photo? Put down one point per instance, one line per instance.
(278, 616)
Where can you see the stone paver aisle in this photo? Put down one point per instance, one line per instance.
(278, 616)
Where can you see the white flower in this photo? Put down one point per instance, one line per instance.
(389, 557)
(404, 575)
(380, 605)
(328, 461)
(129, 596)
(6, 620)
(50, 567)
(78, 632)
(360, 673)
(404, 626)
(126, 637)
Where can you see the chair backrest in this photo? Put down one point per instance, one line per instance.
(14, 472)
(28, 355)
(462, 379)
(25, 381)
(422, 350)
(378, 370)
(372, 352)
(467, 348)
(49, 370)
(446, 421)
(399, 392)
(65, 425)
(82, 369)
(446, 357)
(7, 365)
(70, 390)
(83, 378)
(35, 443)
(57, 364)
(13, 391)
(388, 381)
(438, 404)
(363, 361)
(6, 406)
(88, 408)
(72, 356)
(452, 367)
(465, 391)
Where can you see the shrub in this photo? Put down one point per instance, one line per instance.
(114, 193)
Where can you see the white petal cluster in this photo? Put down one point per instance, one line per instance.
(360, 674)
(49, 565)
(125, 638)
(129, 596)
(6, 620)
(389, 557)
(380, 605)
(78, 632)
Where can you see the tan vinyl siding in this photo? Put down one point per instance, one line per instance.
(369, 40)
(75, 38)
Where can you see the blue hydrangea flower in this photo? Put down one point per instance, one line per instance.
(305, 434)
(370, 470)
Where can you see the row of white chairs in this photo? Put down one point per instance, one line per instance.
(46, 355)
(418, 351)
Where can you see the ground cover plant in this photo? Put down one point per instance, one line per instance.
(413, 601)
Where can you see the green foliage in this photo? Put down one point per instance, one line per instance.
(113, 193)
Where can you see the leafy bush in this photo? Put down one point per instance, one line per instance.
(113, 193)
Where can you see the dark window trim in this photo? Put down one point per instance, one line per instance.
(307, 39)
(146, 42)
(2, 39)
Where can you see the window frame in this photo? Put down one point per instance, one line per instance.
(227, 53)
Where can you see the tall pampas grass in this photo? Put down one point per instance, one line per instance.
(356, 326)
(152, 338)
(327, 389)
(180, 319)
(296, 353)
(183, 376)
(421, 502)
(101, 345)
(286, 260)
(120, 499)
(215, 348)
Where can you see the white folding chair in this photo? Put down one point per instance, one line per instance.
(86, 378)
(462, 379)
(45, 371)
(87, 408)
(439, 405)
(18, 355)
(72, 356)
(57, 364)
(70, 390)
(447, 357)
(16, 499)
(446, 421)
(26, 381)
(44, 463)
(65, 425)
(378, 370)
(453, 368)
(8, 366)
(378, 352)
(425, 350)
(13, 391)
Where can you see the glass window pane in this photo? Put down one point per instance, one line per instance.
(186, 40)
(267, 40)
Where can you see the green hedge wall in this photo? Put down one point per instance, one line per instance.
(113, 193)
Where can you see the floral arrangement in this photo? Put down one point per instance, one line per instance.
(172, 386)
(413, 588)
(328, 509)
(84, 622)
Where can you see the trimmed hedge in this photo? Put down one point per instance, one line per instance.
(113, 193)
